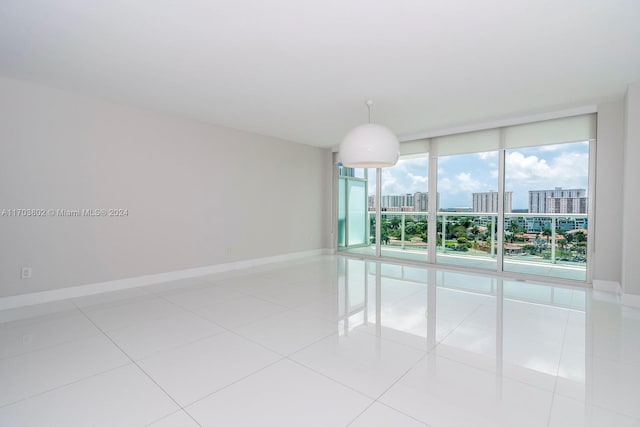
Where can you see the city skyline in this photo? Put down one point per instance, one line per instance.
(529, 169)
(557, 200)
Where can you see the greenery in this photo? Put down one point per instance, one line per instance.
(461, 235)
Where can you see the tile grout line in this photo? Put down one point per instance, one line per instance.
(377, 399)
(141, 369)
(289, 356)
(373, 399)
(170, 348)
(201, 398)
(232, 331)
(425, 356)
(63, 385)
(403, 413)
(484, 369)
(226, 330)
(555, 383)
(50, 346)
(464, 319)
(97, 334)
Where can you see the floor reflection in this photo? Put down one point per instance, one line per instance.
(578, 348)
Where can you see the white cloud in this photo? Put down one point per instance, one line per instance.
(467, 183)
(419, 179)
(462, 183)
(566, 170)
(551, 148)
(519, 167)
(407, 176)
(525, 173)
(389, 182)
(445, 185)
(487, 155)
(526, 169)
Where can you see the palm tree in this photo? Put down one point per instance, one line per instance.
(475, 231)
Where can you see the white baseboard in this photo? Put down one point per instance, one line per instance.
(134, 282)
(606, 286)
(612, 287)
(631, 300)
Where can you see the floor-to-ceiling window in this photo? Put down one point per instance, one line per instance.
(404, 202)
(468, 209)
(546, 232)
(513, 199)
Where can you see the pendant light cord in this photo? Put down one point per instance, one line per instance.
(369, 104)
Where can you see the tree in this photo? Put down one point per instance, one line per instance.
(515, 228)
(384, 237)
(487, 233)
(395, 223)
(384, 230)
(546, 231)
(410, 229)
(460, 231)
(563, 244)
(475, 231)
(465, 222)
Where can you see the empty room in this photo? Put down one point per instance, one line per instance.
(319, 213)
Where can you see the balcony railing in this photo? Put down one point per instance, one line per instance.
(529, 239)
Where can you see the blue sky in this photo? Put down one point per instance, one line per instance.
(537, 168)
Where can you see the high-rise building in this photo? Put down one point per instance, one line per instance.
(416, 202)
(488, 202)
(396, 202)
(544, 201)
(567, 205)
(420, 202)
(371, 202)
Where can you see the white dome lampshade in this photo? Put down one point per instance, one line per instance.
(369, 146)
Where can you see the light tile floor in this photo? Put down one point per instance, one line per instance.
(329, 341)
(480, 261)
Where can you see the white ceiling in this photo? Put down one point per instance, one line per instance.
(302, 70)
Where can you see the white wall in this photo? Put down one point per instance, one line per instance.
(196, 194)
(631, 205)
(607, 254)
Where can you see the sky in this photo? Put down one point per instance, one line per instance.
(535, 168)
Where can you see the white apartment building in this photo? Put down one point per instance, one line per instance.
(540, 200)
(488, 201)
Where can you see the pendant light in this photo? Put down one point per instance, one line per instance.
(369, 146)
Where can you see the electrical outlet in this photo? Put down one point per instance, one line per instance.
(25, 273)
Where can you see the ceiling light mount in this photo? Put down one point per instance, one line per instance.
(369, 146)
